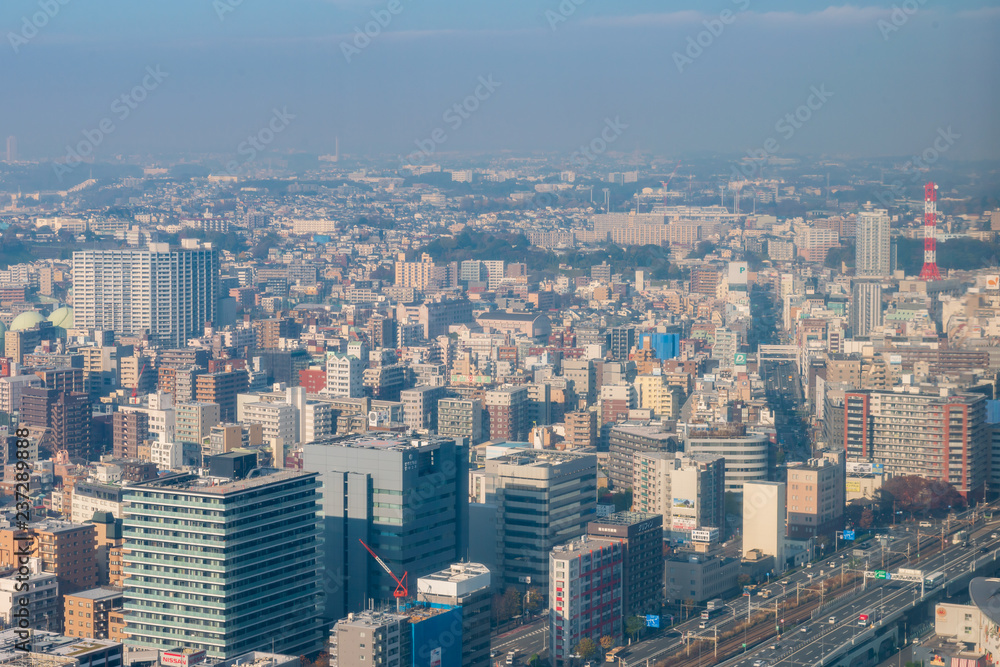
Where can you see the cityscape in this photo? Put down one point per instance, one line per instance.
(346, 333)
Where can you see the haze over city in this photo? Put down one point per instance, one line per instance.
(549, 333)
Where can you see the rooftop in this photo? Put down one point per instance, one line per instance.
(219, 486)
(97, 594)
(379, 441)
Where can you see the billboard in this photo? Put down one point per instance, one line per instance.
(684, 523)
(684, 502)
(853, 487)
(993, 281)
(740, 358)
(859, 468)
(708, 535)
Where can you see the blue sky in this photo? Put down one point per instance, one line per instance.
(890, 88)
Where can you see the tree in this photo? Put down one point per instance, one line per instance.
(634, 625)
(607, 642)
(867, 518)
(587, 648)
(688, 606)
(744, 579)
(533, 599)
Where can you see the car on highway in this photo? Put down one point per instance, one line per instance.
(804, 629)
(994, 536)
(703, 625)
(833, 620)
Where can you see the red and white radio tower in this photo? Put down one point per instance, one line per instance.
(930, 270)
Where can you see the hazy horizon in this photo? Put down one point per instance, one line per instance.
(889, 81)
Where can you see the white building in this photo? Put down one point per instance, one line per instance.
(746, 454)
(765, 518)
(585, 594)
(42, 598)
(169, 293)
(167, 455)
(195, 420)
(279, 422)
(344, 376)
(872, 251)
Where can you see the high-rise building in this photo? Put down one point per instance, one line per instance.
(687, 490)
(621, 341)
(279, 422)
(581, 429)
(544, 498)
(12, 148)
(641, 535)
(458, 418)
(872, 250)
(765, 518)
(221, 388)
(866, 307)
(130, 430)
(67, 414)
(932, 436)
(195, 420)
(258, 539)
(508, 413)
(467, 586)
(344, 376)
(170, 294)
(420, 406)
(408, 500)
(585, 593)
(625, 441)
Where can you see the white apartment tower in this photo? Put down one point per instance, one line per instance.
(344, 376)
(170, 293)
(872, 251)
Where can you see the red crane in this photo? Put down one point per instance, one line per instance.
(401, 591)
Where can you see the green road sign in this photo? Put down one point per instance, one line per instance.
(881, 574)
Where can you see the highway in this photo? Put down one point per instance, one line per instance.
(898, 549)
(526, 640)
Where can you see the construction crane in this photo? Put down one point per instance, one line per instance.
(135, 389)
(666, 183)
(401, 591)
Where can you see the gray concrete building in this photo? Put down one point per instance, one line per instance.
(407, 499)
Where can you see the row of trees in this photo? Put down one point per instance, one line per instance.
(919, 497)
(588, 648)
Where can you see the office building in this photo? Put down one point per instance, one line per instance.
(687, 490)
(865, 308)
(872, 250)
(585, 593)
(258, 538)
(458, 418)
(279, 422)
(40, 590)
(544, 498)
(627, 440)
(748, 455)
(89, 497)
(86, 614)
(941, 437)
(408, 500)
(641, 536)
(466, 586)
(765, 520)
(168, 293)
(508, 412)
(699, 577)
(621, 340)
